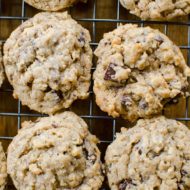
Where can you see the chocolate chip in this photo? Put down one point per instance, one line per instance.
(136, 2)
(85, 152)
(124, 183)
(110, 72)
(140, 151)
(29, 84)
(48, 89)
(143, 104)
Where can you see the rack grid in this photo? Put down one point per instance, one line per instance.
(89, 115)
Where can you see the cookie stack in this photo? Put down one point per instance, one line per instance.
(48, 61)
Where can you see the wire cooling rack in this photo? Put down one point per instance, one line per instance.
(12, 113)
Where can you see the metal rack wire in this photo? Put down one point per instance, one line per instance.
(94, 20)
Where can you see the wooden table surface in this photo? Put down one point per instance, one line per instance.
(105, 9)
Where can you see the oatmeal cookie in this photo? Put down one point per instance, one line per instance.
(48, 61)
(57, 152)
(157, 10)
(3, 168)
(152, 155)
(138, 71)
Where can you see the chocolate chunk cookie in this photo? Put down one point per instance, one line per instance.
(139, 70)
(1, 65)
(48, 61)
(52, 5)
(154, 155)
(157, 10)
(56, 152)
(3, 168)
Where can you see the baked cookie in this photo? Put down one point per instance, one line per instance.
(153, 155)
(52, 5)
(48, 61)
(1, 65)
(3, 168)
(56, 152)
(139, 70)
(157, 10)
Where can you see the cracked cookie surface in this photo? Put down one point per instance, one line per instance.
(3, 168)
(48, 61)
(139, 70)
(152, 155)
(1, 65)
(57, 152)
(157, 10)
(52, 5)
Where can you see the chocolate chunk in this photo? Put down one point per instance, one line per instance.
(110, 72)
(85, 153)
(140, 151)
(124, 183)
(48, 89)
(29, 84)
(143, 104)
